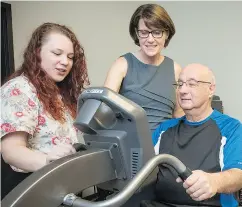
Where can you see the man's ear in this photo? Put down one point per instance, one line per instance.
(212, 88)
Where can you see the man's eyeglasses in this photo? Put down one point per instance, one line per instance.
(189, 83)
(146, 33)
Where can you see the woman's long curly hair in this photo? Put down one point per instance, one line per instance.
(47, 90)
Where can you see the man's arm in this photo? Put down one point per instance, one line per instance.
(228, 181)
(201, 185)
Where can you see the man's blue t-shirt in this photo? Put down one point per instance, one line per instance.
(218, 136)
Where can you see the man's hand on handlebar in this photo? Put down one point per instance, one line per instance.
(200, 185)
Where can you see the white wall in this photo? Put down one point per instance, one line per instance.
(207, 32)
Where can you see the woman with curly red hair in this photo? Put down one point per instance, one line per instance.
(39, 102)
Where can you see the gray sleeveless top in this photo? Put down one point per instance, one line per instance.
(150, 87)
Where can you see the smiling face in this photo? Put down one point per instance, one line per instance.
(57, 56)
(197, 87)
(151, 46)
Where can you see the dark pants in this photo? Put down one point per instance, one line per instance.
(158, 204)
(9, 178)
(154, 204)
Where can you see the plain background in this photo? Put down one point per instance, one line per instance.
(206, 32)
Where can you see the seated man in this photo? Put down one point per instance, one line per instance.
(206, 141)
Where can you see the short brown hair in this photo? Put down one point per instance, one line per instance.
(154, 16)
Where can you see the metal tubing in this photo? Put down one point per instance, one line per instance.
(134, 184)
(48, 186)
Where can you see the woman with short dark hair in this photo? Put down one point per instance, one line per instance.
(146, 76)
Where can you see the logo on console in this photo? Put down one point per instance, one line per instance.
(93, 91)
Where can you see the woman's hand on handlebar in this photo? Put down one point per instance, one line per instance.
(59, 151)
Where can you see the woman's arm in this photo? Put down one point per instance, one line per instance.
(16, 153)
(116, 74)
